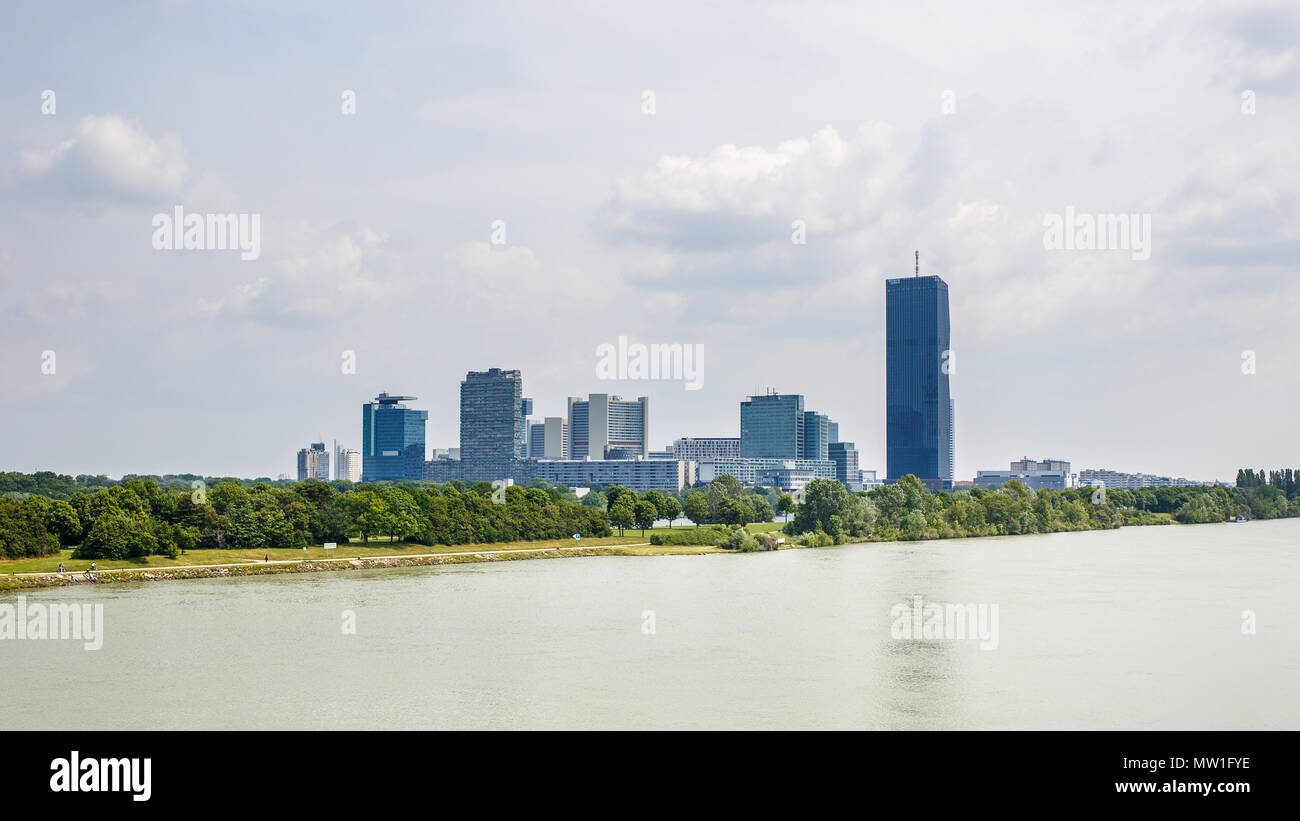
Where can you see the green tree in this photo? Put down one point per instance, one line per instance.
(725, 486)
(823, 498)
(369, 513)
(644, 514)
(655, 498)
(785, 504)
(671, 509)
(762, 510)
(403, 517)
(734, 512)
(61, 520)
(614, 492)
(227, 495)
(622, 513)
(697, 508)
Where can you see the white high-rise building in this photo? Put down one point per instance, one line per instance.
(350, 465)
(314, 462)
(608, 427)
(548, 439)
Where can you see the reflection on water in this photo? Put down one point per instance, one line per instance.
(1133, 628)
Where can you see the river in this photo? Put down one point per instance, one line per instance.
(1135, 628)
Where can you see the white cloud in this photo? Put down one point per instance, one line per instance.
(109, 157)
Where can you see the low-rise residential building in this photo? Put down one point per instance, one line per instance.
(698, 449)
(1047, 474)
(1117, 480)
(638, 474)
(786, 474)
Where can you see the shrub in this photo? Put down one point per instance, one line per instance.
(741, 541)
(711, 535)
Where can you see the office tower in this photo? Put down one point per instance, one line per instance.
(555, 432)
(548, 439)
(918, 404)
(602, 424)
(816, 435)
(772, 426)
(392, 439)
(835, 431)
(492, 424)
(845, 457)
(536, 439)
(314, 463)
(347, 463)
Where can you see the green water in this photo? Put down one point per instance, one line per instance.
(1136, 628)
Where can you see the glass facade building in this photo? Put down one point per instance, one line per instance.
(772, 426)
(392, 439)
(492, 426)
(816, 435)
(845, 457)
(918, 404)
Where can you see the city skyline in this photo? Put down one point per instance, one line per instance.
(753, 211)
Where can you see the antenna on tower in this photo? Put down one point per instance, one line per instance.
(918, 264)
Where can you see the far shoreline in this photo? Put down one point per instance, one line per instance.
(18, 582)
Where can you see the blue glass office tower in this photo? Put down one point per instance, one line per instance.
(816, 435)
(392, 439)
(918, 405)
(772, 426)
(492, 424)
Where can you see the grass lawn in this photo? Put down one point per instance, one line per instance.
(377, 547)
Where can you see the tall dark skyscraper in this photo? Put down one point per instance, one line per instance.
(918, 404)
(772, 426)
(392, 439)
(492, 419)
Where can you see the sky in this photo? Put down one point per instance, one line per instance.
(518, 184)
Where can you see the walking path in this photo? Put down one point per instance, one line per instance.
(335, 559)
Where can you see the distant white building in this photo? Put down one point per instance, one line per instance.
(548, 439)
(314, 463)
(1048, 474)
(348, 465)
(1117, 480)
(698, 449)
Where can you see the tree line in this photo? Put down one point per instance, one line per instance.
(137, 517)
(906, 511)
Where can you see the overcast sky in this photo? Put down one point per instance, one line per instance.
(949, 128)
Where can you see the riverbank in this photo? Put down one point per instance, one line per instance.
(30, 581)
(612, 546)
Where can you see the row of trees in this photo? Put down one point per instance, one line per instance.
(1287, 480)
(62, 486)
(905, 510)
(137, 517)
(725, 501)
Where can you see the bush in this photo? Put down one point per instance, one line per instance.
(711, 535)
(818, 539)
(741, 541)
